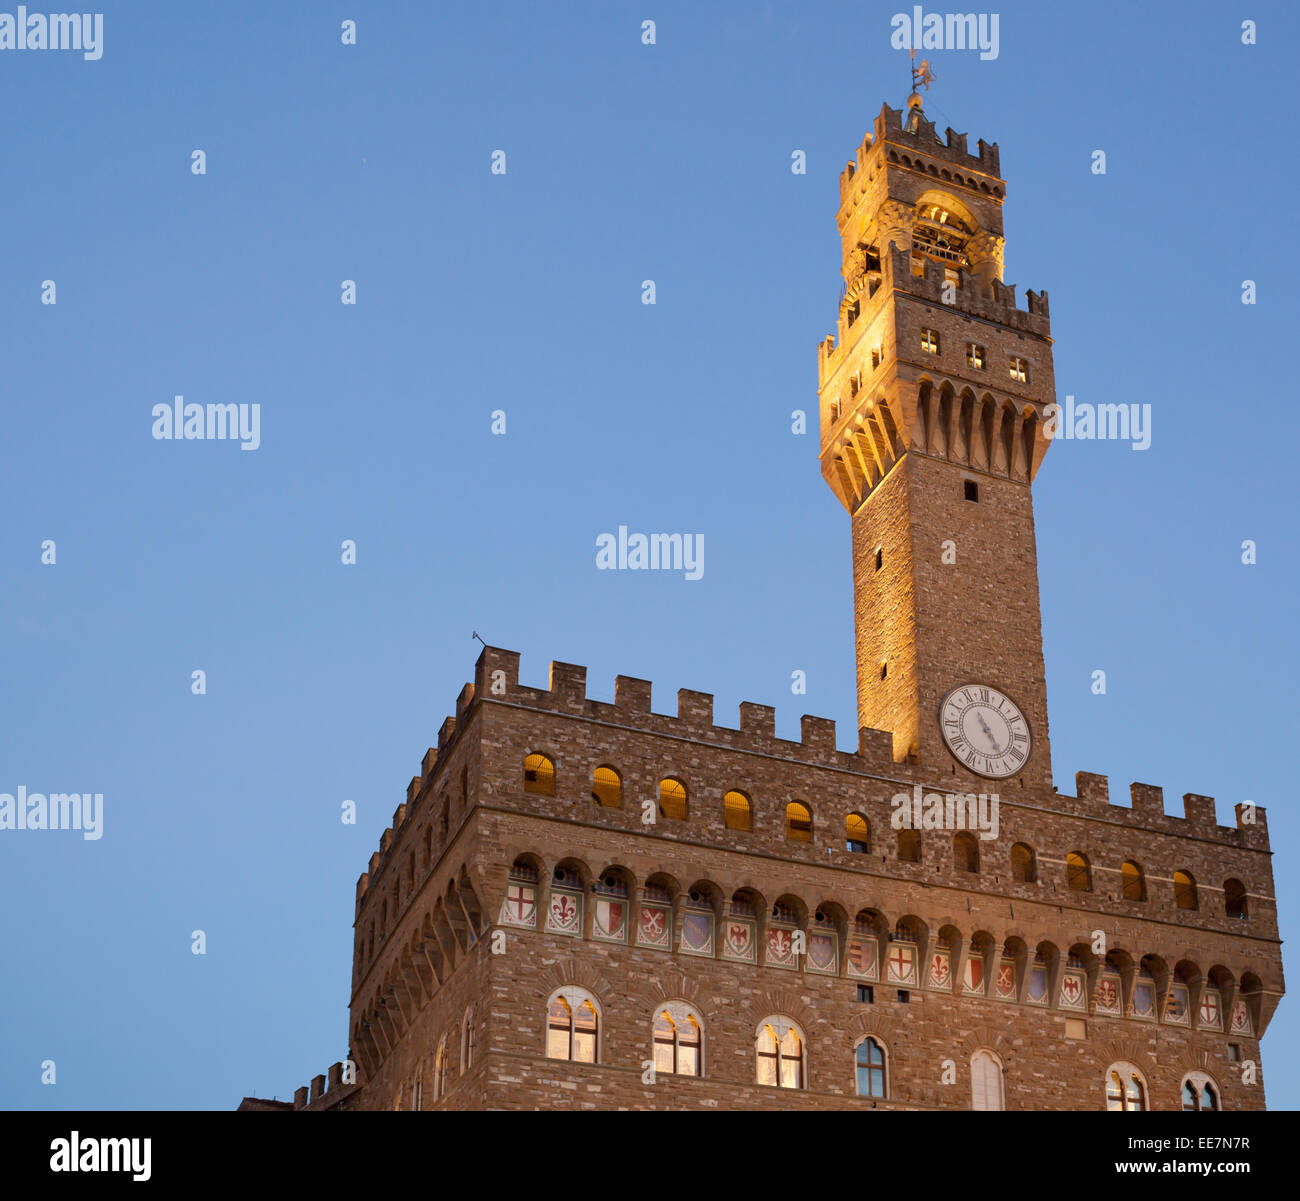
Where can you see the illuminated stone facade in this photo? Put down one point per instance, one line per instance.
(1061, 963)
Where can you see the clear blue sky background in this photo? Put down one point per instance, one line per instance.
(522, 292)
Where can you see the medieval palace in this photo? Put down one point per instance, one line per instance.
(585, 905)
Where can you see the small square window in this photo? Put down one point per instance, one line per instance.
(904, 997)
(975, 356)
(875, 359)
(866, 995)
(1020, 370)
(884, 670)
(1076, 1028)
(972, 490)
(1234, 1052)
(930, 341)
(880, 557)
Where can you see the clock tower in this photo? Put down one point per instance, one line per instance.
(932, 399)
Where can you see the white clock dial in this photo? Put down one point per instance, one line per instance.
(985, 730)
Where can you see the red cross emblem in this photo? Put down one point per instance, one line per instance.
(520, 900)
(1209, 1010)
(901, 962)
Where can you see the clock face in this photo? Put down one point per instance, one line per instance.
(985, 730)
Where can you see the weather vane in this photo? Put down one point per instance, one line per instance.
(922, 76)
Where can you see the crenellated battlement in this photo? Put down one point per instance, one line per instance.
(497, 681)
(325, 1092)
(922, 149)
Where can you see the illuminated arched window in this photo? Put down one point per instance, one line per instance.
(1078, 874)
(1023, 868)
(1234, 899)
(909, 846)
(965, 852)
(737, 813)
(1125, 1088)
(672, 799)
(857, 834)
(1134, 883)
(869, 1062)
(573, 1026)
(539, 775)
(798, 822)
(780, 1050)
(678, 1040)
(1184, 890)
(607, 788)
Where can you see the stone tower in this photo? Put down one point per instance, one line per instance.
(575, 890)
(932, 398)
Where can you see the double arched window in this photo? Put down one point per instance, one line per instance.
(678, 1040)
(573, 1026)
(909, 846)
(1125, 1088)
(781, 1056)
(1184, 891)
(1133, 881)
(1199, 1092)
(1024, 870)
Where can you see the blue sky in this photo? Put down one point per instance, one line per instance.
(522, 292)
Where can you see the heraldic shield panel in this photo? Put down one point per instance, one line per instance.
(860, 962)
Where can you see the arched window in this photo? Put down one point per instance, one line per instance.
(1234, 899)
(857, 834)
(573, 1026)
(440, 1069)
(1135, 885)
(539, 775)
(678, 1040)
(1024, 870)
(672, 799)
(909, 846)
(1125, 1089)
(965, 852)
(986, 1081)
(1078, 874)
(1200, 1093)
(737, 813)
(780, 1051)
(467, 1037)
(1184, 890)
(870, 1063)
(798, 822)
(607, 788)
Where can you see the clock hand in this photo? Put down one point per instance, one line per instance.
(993, 742)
